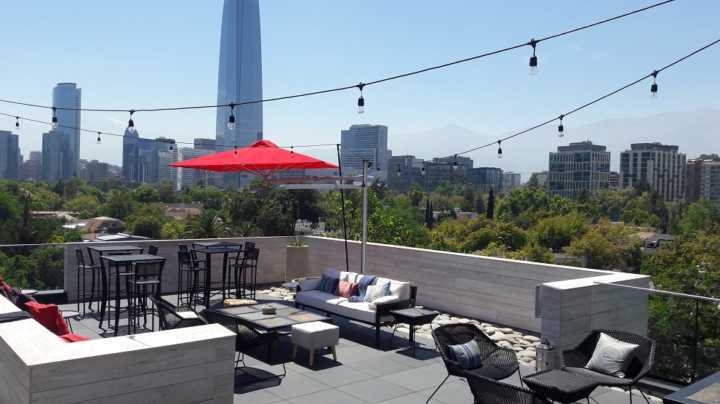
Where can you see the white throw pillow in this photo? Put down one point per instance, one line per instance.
(611, 356)
(376, 290)
(400, 289)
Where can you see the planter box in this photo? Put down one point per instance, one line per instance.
(296, 263)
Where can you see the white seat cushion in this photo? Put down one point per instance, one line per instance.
(319, 299)
(360, 311)
(315, 335)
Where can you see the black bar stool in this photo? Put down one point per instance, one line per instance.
(190, 270)
(145, 281)
(82, 270)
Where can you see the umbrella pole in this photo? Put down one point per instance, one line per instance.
(363, 262)
(342, 201)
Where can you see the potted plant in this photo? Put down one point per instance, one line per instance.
(296, 262)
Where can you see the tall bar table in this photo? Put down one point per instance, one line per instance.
(209, 249)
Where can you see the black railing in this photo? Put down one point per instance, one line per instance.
(686, 330)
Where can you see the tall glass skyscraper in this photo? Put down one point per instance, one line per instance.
(240, 74)
(67, 95)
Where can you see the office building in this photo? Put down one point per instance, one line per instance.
(57, 156)
(9, 155)
(95, 172)
(511, 181)
(365, 143)
(578, 168)
(403, 171)
(67, 95)
(167, 154)
(659, 167)
(189, 177)
(614, 180)
(539, 179)
(31, 169)
(486, 178)
(703, 178)
(464, 163)
(140, 158)
(240, 79)
(437, 172)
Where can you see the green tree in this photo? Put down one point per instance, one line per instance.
(700, 216)
(208, 224)
(85, 206)
(468, 199)
(490, 213)
(146, 194)
(166, 192)
(557, 232)
(607, 245)
(479, 204)
(118, 205)
(172, 230)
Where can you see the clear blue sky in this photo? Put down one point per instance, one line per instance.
(153, 53)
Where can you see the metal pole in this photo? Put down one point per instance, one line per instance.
(342, 201)
(697, 340)
(363, 261)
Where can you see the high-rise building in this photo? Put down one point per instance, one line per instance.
(465, 163)
(31, 169)
(539, 179)
(57, 156)
(486, 178)
(140, 158)
(581, 167)
(403, 171)
(365, 143)
(511, 181)
(658, 166)
(9, 155)
(167, 154)
(96, 171)
(68, 95)
(240, 77)
(614, 180)
(437, 172)
(703, 178)
(189, 177)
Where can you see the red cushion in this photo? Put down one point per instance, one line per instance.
(6, 289)
(347, 289)
(49, 316)
(73, 337)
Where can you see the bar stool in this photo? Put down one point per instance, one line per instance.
(153, 250)
(107, 286)
(82, 269)
(230, 274)
(189, 271)
(249, 272)
(146, 281)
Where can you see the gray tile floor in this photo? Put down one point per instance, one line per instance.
(362, 374)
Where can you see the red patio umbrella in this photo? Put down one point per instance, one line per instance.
(261, 157)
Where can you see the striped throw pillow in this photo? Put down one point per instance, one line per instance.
(466, 355)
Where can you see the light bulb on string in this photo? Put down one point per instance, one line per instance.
(235, 150)
(99, 140)
(500, 154)
(361, 100)
(131, 124)
(654, 86)
(422, 170)
(17, 123)
(561, 128)
(399, 172)
(455, 163)
(231, 119)
(533, 59)
(54, 118)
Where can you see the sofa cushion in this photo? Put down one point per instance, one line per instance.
(356, 310)
(382, 300)
(49, 316)
(70, 337)
(319, 299)
(400, 289)
(363, 282)
(328, 284)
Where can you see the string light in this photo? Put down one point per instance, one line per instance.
(99, 140)
(455, 163)
(235, 149)
(399, 171)
(654, 86)
(131, 123)
(17, 123)
(231, 119)
(499, 143)
(361, 100)
(561, 128)
(422, 170)
(54, 118)
(533, 59)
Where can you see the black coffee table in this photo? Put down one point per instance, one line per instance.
(559, 385)
(413, 318)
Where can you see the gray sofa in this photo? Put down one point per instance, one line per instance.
(376, 313)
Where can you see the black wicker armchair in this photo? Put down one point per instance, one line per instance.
(170, 318)
(497, 362)
(489, 391)
(575, 360)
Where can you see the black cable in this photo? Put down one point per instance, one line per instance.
(99, 132)
(594, 101)
(532, 42)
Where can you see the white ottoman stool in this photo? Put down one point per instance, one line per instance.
(315, 335)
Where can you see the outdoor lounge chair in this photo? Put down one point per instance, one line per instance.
(497, 363)
(489, 391)
(643, 357)
(171, 318)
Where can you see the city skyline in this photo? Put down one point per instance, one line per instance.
(582, 62)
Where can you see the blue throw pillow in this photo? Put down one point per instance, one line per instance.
(466, 355)
(328, 284)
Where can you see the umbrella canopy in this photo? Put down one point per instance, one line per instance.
(260, 157)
